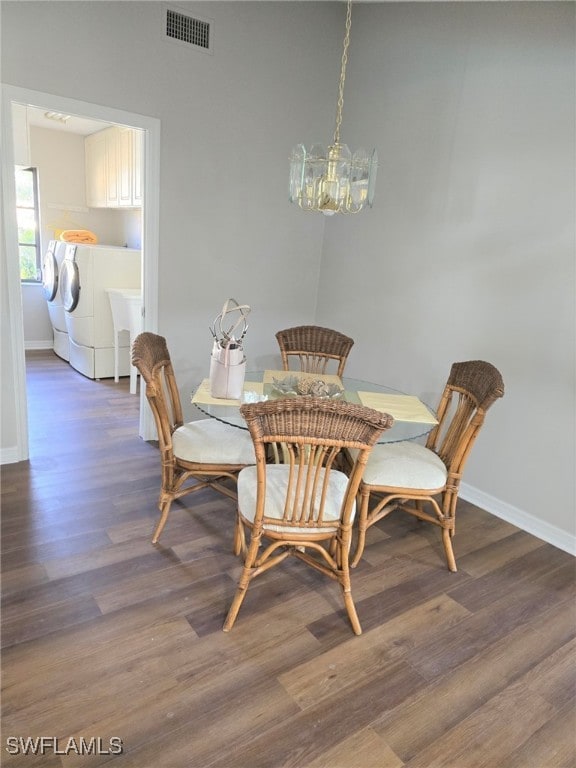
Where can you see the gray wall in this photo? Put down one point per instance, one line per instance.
(469, 250)
(228, 122)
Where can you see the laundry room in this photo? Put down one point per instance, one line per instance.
(77, 164)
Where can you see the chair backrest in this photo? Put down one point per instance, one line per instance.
(314, 347)
(150, 355)
(471, 389)
(313, 432)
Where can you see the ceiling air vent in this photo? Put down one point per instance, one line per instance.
(187, 29)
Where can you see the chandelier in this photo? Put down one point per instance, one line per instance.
(333, 180)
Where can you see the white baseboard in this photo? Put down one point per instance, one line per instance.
(550, 533)
(39, 344)
(9, 455)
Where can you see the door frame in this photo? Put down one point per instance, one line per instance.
(150, 234)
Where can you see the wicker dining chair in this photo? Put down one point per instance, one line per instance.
(205, 451)
(305, 506)
(407, 475)
(314, 347)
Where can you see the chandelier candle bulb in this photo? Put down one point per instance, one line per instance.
(333, 181)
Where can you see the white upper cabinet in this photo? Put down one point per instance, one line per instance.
(113, 168)
(137, 158)
(96, 170)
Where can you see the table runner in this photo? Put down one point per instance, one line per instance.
(329, 378)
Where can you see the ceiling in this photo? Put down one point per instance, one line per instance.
(80, 125)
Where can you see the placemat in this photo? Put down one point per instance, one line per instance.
(202, 394)
(401, 407)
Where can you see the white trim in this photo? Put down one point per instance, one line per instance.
(9, 456)
(550, 533)
(150, 244)
(151, 239)
(20, 451)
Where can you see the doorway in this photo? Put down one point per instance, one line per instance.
(11, 97)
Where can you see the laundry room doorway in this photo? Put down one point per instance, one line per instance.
(14, 101)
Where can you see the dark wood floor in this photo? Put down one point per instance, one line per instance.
(105, 635)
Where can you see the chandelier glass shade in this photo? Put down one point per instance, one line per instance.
(333, 180)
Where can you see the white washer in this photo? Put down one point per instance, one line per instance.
(51, 270)
(88, 272)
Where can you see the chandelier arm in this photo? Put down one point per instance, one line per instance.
(343, 73)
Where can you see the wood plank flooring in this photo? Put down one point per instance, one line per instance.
(105, 635)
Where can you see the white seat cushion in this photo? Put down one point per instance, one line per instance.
(211, 442)
(276, 483)
(405, 465)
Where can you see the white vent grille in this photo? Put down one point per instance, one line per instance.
(189, 30)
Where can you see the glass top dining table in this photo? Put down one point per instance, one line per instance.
(258, 387)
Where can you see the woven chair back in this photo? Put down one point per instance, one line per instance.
(313, 347)
(312, 433)
(150, 355)
(471, 389)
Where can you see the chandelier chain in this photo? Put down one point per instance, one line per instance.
(333, 180)
(343, 73)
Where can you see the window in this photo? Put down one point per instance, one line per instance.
(28, 224)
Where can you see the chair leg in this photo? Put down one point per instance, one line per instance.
(164, 510)
(351, 610)
(239, 539)
(344, 579)
(237, 601)
(447, 541)
(245, 578)
(364, 497)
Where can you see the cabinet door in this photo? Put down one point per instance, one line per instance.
(96, 183)
(114, 168)
(137, 172)
(125, 161)
(112, 153)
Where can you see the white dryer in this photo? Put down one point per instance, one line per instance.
(51, 270)
(88, 272)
